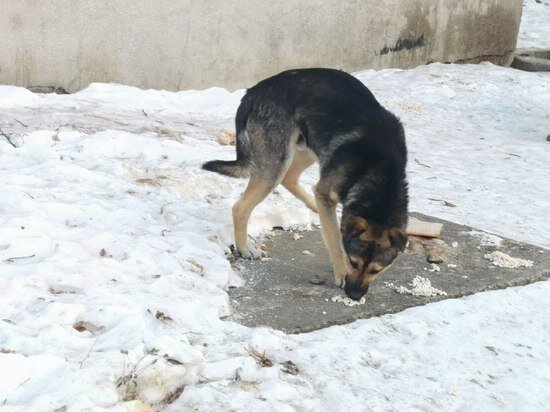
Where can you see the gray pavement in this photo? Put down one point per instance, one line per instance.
(279, 292)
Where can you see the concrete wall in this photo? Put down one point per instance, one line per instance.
(183, 44)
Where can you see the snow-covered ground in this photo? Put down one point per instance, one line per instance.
(113, 268)
(534, 30)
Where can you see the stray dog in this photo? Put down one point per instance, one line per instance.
(287, 122)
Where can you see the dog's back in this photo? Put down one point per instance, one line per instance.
(320, 108)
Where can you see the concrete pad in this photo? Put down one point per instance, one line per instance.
(279, 292)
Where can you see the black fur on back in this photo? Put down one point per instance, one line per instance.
(360, 145)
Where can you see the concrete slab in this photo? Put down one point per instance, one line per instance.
(532, 60)
(279, 292)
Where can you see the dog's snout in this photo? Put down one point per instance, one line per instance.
(356, 292)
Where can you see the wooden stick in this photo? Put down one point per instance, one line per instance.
(426, 229)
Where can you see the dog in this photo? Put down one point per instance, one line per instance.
(286, 123)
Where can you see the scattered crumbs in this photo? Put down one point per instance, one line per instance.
(503, 260)
(347, 301)
(265, 259)
(297, 236)
(453, 392)
(496, 397)
(451, 265)
(307, 252)
(420, 287)
(263, 251)
(410, 106)
(435, 268)
(454, 244)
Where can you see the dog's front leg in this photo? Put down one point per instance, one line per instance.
(326, 205)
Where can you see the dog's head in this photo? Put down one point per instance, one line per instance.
(371, 249)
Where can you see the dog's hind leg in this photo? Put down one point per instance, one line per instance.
(302, 160)
(256, 191)
(326, 204)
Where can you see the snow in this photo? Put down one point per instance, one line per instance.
(113, 241)
(347, 301)
(11, 96)
(534, 31)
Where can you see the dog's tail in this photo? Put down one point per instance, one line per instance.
(233, 168)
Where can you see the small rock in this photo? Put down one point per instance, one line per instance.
(297, 236)
(435, 258)
(435, 268)
(307, 252)
(548, 138)
(317, 280)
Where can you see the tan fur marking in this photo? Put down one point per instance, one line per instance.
(334, 196)
(374, 267)
(366, 236)
(383, 240)
(369, 278)
(256, 191)
(332, 236)
(357, 260)
(301, 161)
(398, 237)
(357, 223)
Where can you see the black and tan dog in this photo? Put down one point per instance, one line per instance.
(287, 122)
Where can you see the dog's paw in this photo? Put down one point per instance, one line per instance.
(250, 252)
(340, 280)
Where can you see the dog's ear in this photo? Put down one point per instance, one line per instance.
(398, 238)
(355, 225)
